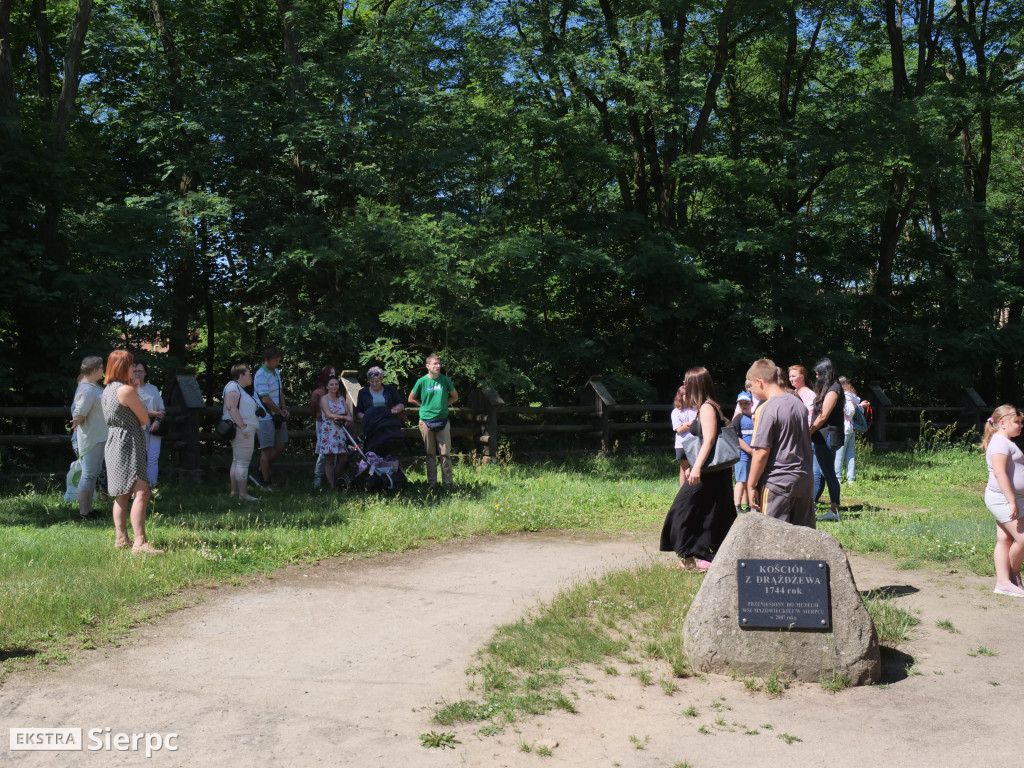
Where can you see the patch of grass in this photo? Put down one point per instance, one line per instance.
(639, 743)
(669, 686)
(982, 651)
(65, 588)
(790, 739)
(892, 623)
(433, 739)
(835, 681)
(775, 684)
(522, 669)
(691, 711)
(65, 583)
(947, 625)
(922, 507)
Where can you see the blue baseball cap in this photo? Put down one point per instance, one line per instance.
(744, 395)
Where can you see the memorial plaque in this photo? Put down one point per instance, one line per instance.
(788, 594)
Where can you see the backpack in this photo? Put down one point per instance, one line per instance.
(862, 417)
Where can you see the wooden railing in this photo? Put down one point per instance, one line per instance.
(484, 422)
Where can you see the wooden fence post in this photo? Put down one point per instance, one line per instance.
(486, 402)
(974, 413)
(879, 402)
(596, 395)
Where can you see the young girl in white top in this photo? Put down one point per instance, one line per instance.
(681, 420)
(1004, 496)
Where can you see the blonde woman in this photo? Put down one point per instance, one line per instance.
(241, 408)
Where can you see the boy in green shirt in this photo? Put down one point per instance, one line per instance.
(433, 394)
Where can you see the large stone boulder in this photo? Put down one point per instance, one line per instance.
(715, 642)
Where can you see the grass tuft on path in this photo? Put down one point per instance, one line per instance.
(631, 618)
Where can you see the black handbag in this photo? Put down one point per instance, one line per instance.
(226, 430)
(163, 427)
(725, 453)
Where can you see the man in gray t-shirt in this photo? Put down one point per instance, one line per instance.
(781, 480)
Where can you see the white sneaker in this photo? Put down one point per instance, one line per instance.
(830, 516)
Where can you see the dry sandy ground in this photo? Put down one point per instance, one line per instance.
(339, 664)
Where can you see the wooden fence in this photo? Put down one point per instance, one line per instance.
(596, 423)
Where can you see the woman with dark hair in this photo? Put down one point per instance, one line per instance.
(318, 418)
(827, 433)
(703, 512)
(125, 451)
(332, 443)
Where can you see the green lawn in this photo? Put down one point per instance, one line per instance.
(62, 584)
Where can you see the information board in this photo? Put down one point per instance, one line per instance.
(787, 594)
(189, 388)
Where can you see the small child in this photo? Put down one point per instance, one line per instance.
(681, 420)
(743, 423)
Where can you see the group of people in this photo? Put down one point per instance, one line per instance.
(264, 415)
(117, 425)
(793, 443)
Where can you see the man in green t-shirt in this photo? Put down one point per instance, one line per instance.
(433, 394)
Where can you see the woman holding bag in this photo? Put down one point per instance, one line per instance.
(703, 512)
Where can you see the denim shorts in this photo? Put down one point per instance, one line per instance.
(742, 469)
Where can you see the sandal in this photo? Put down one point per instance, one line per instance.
(683, 564)
(146, 549)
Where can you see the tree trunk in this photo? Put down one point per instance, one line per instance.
(8, 94)
(43, 59)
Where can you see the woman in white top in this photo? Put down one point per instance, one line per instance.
(1004, 496)
(240, 407)
(90, 430)
(154, 405)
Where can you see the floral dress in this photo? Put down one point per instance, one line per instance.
(125, 449)
(330, 439)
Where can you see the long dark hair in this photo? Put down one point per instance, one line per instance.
(824, 378)
(699, 387)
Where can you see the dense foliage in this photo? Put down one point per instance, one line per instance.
(541, 190)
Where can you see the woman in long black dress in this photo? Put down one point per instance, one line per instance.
(703, 512)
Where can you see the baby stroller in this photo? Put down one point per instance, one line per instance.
(375, 473)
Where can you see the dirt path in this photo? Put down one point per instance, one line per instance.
(339, 664)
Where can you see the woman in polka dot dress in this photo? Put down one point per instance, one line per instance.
(125, 451)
